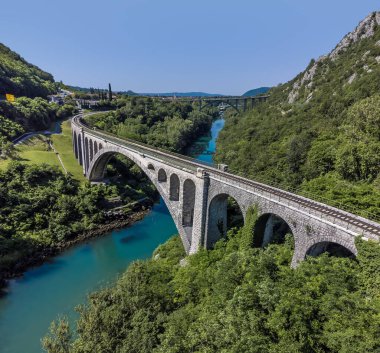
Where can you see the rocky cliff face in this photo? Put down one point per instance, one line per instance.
(367, 28)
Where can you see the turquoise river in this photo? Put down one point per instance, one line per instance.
(46, 292)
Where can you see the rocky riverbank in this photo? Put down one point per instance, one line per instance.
(45, 253)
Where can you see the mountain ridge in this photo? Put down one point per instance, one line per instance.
(256, 91)
(365, 29)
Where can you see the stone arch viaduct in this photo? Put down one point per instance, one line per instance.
(196, 196)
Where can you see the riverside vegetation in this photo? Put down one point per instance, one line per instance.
(319, 133)
(41, 207)
(26, 192)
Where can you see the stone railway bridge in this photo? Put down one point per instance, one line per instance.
(196, 195)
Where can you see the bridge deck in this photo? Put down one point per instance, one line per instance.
(191, 165)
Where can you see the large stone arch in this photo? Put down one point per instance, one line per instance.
(332, 248)
(174, 187)
(267, 227)
(296, 226)
(217, 218)
(346, 243)
(97, 169)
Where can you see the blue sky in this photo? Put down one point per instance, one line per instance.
(214, 46)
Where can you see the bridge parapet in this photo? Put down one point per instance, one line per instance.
(354, 224)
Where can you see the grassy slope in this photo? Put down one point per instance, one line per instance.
(63, 144)
(35, 151)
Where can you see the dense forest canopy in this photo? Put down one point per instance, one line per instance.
(234, 298)
(161, 123)
(318, 133)
(21, 78)
(41, 206)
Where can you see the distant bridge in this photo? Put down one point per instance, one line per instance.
(239, 103)
(196, 195)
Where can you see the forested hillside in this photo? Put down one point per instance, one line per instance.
(21, 78)
(30, 111)
(319, 133)
(41, 207)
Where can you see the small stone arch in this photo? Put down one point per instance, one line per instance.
(91, 150)
(217, 221)
(151, 166)
(270, 228)
(100, 146)
(80, 149)
(162, 177)
(95, 147)
(188, 205)
(86, 161)
(174, 187)
(75, 141)
(330, 247)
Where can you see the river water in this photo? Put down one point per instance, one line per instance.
(33, 301)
